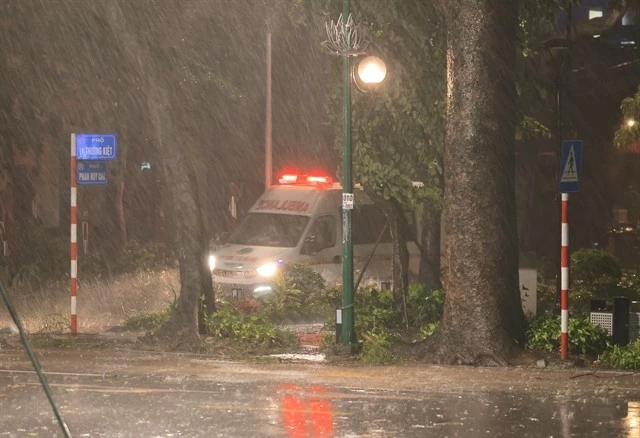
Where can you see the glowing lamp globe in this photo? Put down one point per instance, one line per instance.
(372, 70)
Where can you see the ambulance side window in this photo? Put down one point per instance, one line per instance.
(321, 235)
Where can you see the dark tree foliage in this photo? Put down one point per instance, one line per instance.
(398, 128)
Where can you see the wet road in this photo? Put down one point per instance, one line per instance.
(134, 394)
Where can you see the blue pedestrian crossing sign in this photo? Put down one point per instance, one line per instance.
(569, 178)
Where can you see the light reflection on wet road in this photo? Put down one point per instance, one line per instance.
(146, 396)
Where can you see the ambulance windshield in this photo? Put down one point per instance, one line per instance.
(268, 229)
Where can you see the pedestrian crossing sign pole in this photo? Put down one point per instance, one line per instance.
(568, 182)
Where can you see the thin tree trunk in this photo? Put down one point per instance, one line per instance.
(398, 228)
(430, 246)
(120, 185)
(483, 319)
(122, 223)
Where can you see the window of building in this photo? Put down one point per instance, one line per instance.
(595, 13)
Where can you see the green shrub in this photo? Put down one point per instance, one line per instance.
(625, 357)
(229, 322)
(424, 305)
(594, 274)
(283, 304)
(305, 279)
(631, 285)
(299, 294)
(150, 320)
(376, 347)
(595, 268)
(327, 341)
(584, 337)
(315, 304)
(428, 329)
(153, 319)
(374, 309)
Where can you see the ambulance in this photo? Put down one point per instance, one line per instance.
(299, 220)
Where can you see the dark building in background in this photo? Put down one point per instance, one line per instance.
(603, 68)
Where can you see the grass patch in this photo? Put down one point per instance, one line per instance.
(55, 323)
(102, 303)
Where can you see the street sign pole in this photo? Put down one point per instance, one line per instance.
(74, 235)
(94, 147)
(564, 277)
(569, 181)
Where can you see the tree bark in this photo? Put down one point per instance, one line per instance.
(483, 321)
(430, 246)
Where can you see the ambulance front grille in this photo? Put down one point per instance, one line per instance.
(226, 273)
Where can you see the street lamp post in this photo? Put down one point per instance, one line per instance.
(345, 40)
(348, 315)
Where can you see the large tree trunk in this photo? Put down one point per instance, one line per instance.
(483, 319)
(430, 246)
(191, 243)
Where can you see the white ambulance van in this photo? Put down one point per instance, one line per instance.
(300, 221)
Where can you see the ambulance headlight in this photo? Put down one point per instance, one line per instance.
(268, 269)
(212, 262)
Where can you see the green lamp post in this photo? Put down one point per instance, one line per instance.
(347, 41)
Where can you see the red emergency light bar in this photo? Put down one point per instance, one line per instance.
(319, 179)
(289, 179)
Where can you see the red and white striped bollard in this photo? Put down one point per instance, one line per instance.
(564, 277)
(74, 236)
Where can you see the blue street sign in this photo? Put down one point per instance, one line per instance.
(96, 146)
(569, 178)
(93, 172)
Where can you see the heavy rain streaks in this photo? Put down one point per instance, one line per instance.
(173, 282)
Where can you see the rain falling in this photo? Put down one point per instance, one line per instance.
(309, 218)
